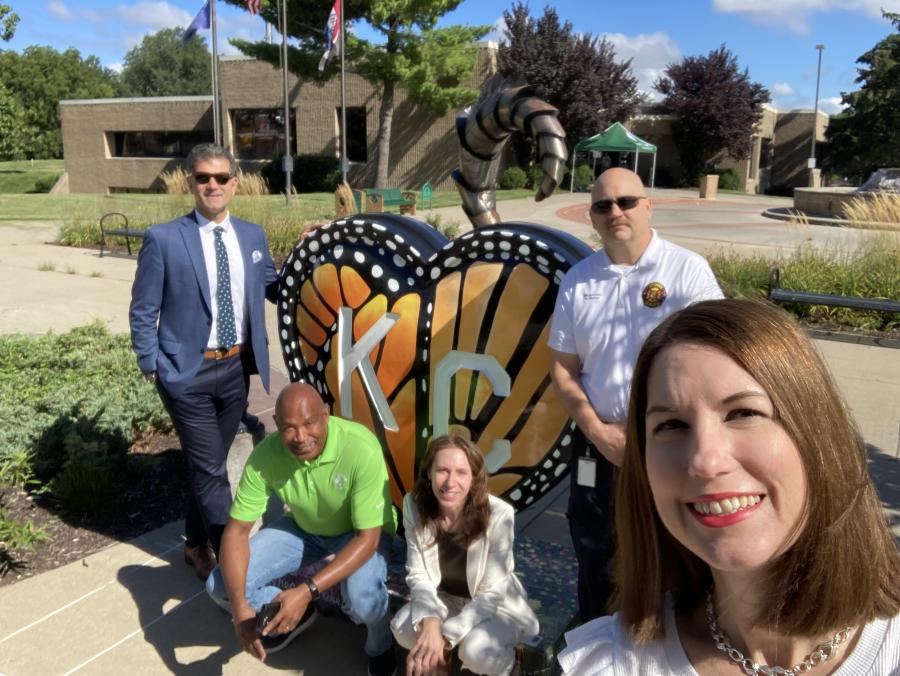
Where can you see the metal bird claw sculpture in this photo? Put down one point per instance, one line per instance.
(504, 107)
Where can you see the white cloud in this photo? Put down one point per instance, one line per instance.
(59, 10)
(154, 15)
(91, 15)
(650, 53)
(831, 105)
(782, 89)
(115, 66)
(498, 31)
(794, 14)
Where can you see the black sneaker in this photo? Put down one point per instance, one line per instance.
(384, 664)
(276, 642)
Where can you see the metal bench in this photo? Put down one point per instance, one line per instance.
(119, 223)
(376, 199)
(779, 295)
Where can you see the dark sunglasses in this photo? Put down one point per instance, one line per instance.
(624, 203)
(221, 179)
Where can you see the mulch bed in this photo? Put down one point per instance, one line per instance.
(156, 500)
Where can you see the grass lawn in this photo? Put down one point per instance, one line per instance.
(20, 176)
(145, 209)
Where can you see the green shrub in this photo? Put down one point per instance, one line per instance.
(729, 180)
(584, 178)
(535, 176)
(64, 396)
(514, 178)
(450, 229)
(18, 536)
(86, 487)
(312, 173)
(868, 272)
(45, 183)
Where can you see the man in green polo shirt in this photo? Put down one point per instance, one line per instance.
(331, 474)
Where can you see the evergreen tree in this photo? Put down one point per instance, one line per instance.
(717, 105)
(865, 135)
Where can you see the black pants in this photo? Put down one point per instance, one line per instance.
(206, 418)
(590, 525)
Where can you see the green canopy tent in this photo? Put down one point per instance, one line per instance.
(616, 139)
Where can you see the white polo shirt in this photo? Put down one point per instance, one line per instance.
(604, 312)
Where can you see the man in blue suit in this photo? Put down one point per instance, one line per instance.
(198, 329)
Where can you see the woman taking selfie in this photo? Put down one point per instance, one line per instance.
(463, 591)
(750, 537)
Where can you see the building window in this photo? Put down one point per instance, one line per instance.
(357, 146)
(156, 143)
(259, 134)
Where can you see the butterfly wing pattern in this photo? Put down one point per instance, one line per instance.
(415, 335)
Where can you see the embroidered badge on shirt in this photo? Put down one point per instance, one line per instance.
(340, 481)
(654, 294)
(256, 256)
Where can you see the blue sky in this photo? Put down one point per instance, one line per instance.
(774, 39)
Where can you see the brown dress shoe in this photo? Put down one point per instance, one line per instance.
(201, 558)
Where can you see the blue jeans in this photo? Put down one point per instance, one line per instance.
(282, 548)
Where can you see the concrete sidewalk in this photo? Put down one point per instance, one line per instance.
(137, 607)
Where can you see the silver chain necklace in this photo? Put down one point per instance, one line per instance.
(823, 652)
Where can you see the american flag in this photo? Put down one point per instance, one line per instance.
(332, 34)
(253, 6)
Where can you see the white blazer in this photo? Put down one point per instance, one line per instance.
(492, 583)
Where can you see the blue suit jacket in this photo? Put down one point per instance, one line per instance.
(170, 314)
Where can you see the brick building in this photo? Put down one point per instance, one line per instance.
(123, 145)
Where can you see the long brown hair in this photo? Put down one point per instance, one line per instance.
(843, 570)
(476, 512)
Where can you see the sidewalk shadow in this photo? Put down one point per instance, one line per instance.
(189, 632)
(885, 472)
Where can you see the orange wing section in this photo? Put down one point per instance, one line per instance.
(443, 326)
(356, 291)
(314, 305)
(523, 290)
(400, 344)
(402, 444)
(480, 281)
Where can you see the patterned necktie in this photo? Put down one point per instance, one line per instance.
(226, 334)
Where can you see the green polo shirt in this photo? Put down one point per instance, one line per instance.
(346, 488)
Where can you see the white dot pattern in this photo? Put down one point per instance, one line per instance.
(226, 333)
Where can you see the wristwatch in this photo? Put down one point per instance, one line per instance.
(313, 589)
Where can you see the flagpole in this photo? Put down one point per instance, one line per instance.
(217, 112)
(287, 160)
(344, 162)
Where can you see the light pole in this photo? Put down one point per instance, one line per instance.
(812, 150)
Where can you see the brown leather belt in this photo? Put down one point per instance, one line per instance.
(223, 353)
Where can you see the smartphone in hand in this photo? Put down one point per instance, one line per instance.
(265, 615)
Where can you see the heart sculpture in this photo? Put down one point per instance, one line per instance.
(414, 335)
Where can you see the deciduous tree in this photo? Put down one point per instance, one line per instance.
(164, 65)
(717, 105)
(434, 65)
(10, 126)
(578, 74)
(865, 135)
(39, 78)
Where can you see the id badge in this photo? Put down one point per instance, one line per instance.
(587, 472)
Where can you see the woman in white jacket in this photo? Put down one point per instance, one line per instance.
(463, 591)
